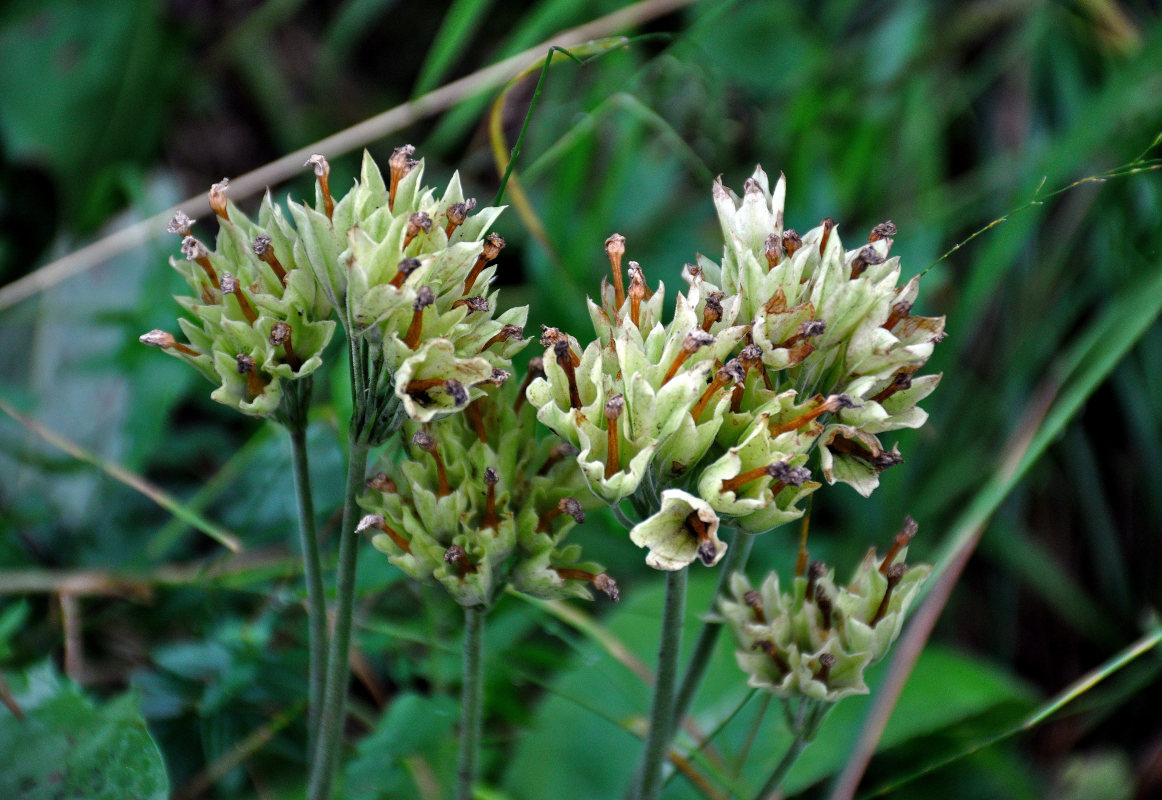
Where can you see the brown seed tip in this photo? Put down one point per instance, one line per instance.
(180, 223)
(886, 459)
(491, 476)
(408, 266)
(457, 213)
(419, 221)
(826, 663)
(751, 187)
(868, 256)
(895, 573)
(229, 283)
(909, 528)
(218, 197)
(692, 269)
(812, 327)
(714, 303)
(493, 244)
(424, 298)
(157, 338)
(608, 585)
(401, 157)
(516, 332)
(614, 406)
(753, 599)
(499, 376)
(615, 246)
(476, 304)
(560, 347)
(550, 336)
(536, 368)
(838, 401)
(734, 371)
(885, 230)
(707, 552)
(751, 356)
(245, 364)
(572, 507)
(319, 164)
(696, 340)
(792, 241)
(261, 245)
(380, 482)
(456, 391)
(192, 249)
(370, 521)
(454, 554)
(280, 333)
(423, 440)
(785, 473)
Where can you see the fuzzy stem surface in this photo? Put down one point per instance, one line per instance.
(330, 734)
(736, 558)
(662, 712)
(313, 571)
(471, 700)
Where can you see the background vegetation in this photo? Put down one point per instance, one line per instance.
(941, 116)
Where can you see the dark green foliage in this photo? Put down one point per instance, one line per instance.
(941, 116)
(65, 747)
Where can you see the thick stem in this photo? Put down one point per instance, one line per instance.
(313, 570)
(471, 698)
(330, 735)
(736, 558)
(662, 713)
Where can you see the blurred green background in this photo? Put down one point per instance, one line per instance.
(941, 116)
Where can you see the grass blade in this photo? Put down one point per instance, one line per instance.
(118, 473)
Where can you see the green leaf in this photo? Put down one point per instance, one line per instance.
(415, 729)
(66, 747)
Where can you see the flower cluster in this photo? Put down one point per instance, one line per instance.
(479, 502)
(789, 343)
(408, 272)
(258, 322)
(816, 640)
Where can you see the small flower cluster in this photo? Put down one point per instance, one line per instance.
(480, 503)
(259, 323)
(816, 640)
(789, 343)
(406, 270)
(409, 273)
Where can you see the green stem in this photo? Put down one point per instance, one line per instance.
(313, 570)
(662, 713)
(805, 724)
(736, 558)
(330, 736)
(789, 758)
(471, 698)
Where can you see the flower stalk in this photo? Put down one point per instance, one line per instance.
(471, 701)
(662, 710)
(326, 755)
